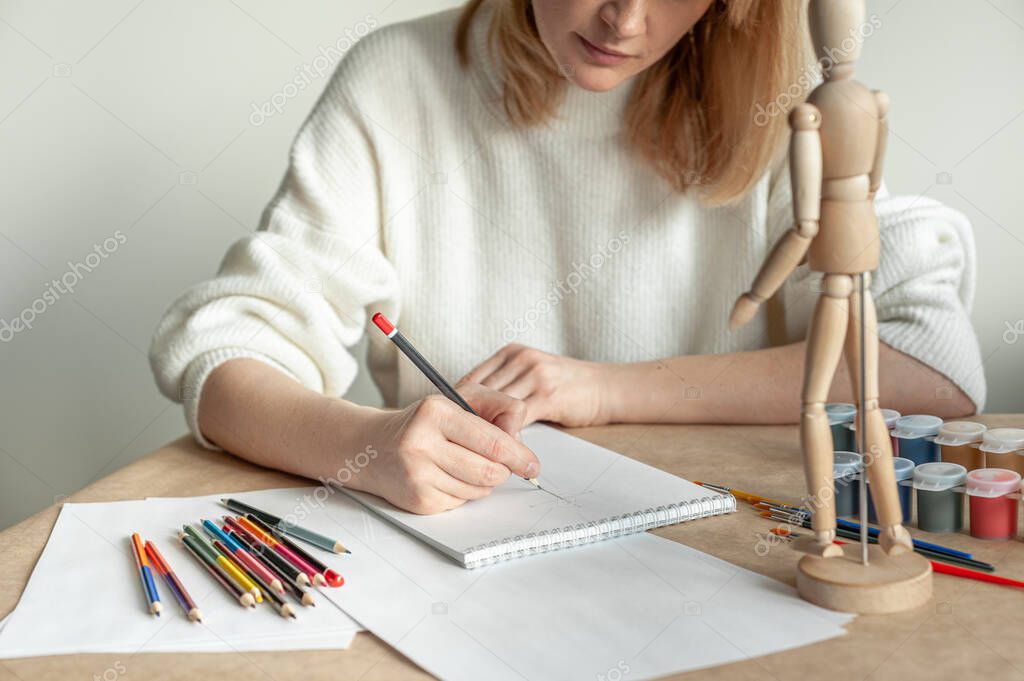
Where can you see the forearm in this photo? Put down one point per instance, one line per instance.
(259, 414)
(763, 386)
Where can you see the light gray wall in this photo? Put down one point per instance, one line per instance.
(128, 126)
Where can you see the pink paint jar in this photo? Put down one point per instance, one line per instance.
(993, 494)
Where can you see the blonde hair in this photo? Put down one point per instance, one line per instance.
(691, 114)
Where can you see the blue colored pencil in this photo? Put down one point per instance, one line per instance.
(146, 575)
(849, 525)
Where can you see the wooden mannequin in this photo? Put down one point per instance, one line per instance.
(836, 154)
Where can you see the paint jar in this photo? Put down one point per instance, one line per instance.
(914, 438)
(940, 502)
(904, 471)
(958, 443)
(846, 467)
(839, 414)
(1004, 448)
(890, 416)
(993, 494)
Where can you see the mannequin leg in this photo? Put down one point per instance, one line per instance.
(877, 453)
(824, 346)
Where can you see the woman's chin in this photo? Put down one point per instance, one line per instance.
(596, 78)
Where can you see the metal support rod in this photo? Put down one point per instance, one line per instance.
(862, 431)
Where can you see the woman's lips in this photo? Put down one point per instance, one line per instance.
(601, 56)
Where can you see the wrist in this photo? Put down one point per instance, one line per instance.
(346, 439)
(611, 383)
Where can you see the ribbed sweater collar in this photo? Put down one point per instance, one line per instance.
(582, 112)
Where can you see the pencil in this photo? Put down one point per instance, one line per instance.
(428, 370)
(225, 563)
(267, 538)
(242, 556)
(942, 568)
(180, 593)
(260, 584)
(146, 575)
(288, 573)
(329, 576)
(237, 572)
(244, 598)
(851, 534)
(309, 536)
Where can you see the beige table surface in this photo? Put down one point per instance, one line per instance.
(970, 630)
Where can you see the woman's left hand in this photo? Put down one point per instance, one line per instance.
(560, 389)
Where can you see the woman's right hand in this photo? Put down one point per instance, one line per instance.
(433, 456)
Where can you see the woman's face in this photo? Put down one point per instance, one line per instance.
(597, 44)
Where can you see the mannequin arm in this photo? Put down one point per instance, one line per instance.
(789, 251)
(882, 100)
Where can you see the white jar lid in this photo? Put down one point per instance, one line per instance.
(891, 416)
(916, 426)
(992, 482)
(846, 464)
(935, 477)
(840, 412)
(960, 433)
(1002, 440)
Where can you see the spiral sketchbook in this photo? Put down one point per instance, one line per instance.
(590, 494)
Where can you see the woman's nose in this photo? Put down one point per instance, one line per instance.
(628, 18)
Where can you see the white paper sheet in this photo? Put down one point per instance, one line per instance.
(84, 594)
(640, 602)
(596, 484)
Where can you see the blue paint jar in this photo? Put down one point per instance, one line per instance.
(839, 414)
(915, 435)
(891, 416)
(846, 468)
(904, 471)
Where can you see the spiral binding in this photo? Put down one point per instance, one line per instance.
(587, 533)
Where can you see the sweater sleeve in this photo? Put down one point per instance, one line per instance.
(923, 288)
(294, 294)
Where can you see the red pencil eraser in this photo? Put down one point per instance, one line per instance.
(332, 577)
(383, 324)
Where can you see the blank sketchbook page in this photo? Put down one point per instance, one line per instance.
(604, 494)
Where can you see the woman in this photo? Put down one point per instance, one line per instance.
(580, 187)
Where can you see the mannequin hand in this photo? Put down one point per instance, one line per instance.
(433, 455)
(743, 311)
(555, 388)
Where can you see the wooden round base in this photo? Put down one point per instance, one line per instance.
(886, 584)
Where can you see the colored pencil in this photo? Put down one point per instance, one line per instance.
(270, 557)
(250, 523)
(756, 500)
(309, 536)
(146, 575)
(938, 548)
(177, 588)
(428, 370)
(851, 534)
(942, 568)
(329, 576)
(225, 563)
(243, 597)
(269, 595)
(242, 557)
(237, 571)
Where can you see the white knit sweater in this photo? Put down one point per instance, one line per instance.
(409, 192)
